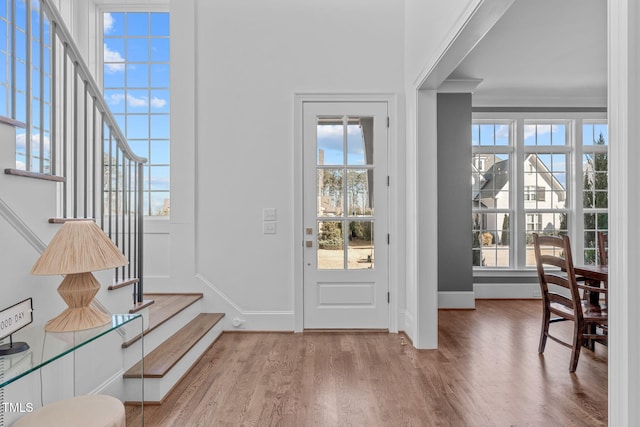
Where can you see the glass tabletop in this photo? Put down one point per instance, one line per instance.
(45, 347)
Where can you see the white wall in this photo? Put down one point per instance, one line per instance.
(235, 157)
(430, 27)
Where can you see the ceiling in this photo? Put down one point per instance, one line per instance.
(542, 53)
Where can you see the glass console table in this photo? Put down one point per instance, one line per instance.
(47, 347)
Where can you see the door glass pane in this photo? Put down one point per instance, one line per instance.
(361, 248)
(359, 183)
(360, 141)
(330, 141)
(330, 245)
(330, 197)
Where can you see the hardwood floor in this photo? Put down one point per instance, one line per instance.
(486, 372)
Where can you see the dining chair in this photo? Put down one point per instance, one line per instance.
(563, 301)
(603, 248)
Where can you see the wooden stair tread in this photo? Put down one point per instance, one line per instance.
(165, 306)
(137, 306)
(165, 356)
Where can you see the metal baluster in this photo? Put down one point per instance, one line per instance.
(140, 229)
(41, 29)
(53, 143)
(65, 130)
(28, 95)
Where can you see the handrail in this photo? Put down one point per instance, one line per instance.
(103, 177)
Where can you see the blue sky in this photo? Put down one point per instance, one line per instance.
(136, 80)
(331, 140)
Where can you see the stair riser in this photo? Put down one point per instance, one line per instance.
(157, 388)
(161, 333)
(117, 300)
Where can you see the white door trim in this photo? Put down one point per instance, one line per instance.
(394, 227)
(623, 107)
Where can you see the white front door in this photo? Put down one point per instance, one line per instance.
(346, 253)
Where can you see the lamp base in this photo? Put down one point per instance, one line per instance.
(77, 319)
(13, 348)
(77, 290)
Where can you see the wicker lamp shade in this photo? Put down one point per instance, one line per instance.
(77, 249)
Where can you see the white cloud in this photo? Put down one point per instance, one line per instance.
(328, 131)
(35, 142)
(136, 102)
(115, 98)
(108, 22)
(157, 102)
(111, 56)
(502, 131)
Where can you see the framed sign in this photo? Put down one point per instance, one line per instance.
(12, 319)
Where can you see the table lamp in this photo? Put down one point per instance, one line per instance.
(77, 249)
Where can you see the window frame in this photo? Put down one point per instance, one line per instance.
(574, 201)
(494, 150)
(153, 6)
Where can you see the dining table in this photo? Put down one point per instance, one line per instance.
(595, 274)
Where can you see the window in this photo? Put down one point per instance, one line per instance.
(136, 88)
(532, 192)
(546, 150)
(25, 80)
(595, 185)
(551, 196)
(491, 194)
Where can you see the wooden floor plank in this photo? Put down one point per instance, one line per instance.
(166, 355)
(486, 372)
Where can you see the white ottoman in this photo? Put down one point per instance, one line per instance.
(82, 411)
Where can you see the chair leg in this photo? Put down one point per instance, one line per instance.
(544, 332)
(578, 329)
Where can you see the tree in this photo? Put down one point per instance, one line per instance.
(357, 186)
(504, 239)
(330, 235)
(596, 195)
(476, 245)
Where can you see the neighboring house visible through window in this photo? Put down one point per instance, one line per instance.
(136, 88)
(551, 197)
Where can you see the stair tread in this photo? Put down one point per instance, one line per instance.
(166, 355)
(164, 308)
(137, 306)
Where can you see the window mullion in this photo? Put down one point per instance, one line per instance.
(519, 223)
(576, 217)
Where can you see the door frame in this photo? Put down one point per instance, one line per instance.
(396, 246)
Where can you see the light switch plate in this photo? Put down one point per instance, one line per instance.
(269, 214)
(269, 227)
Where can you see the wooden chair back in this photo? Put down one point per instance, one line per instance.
(603, 248)
(555, 266)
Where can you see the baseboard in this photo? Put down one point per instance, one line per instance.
(506, 290)
(460, 300)
(113, 386)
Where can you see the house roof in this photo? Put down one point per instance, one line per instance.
(495, 178)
